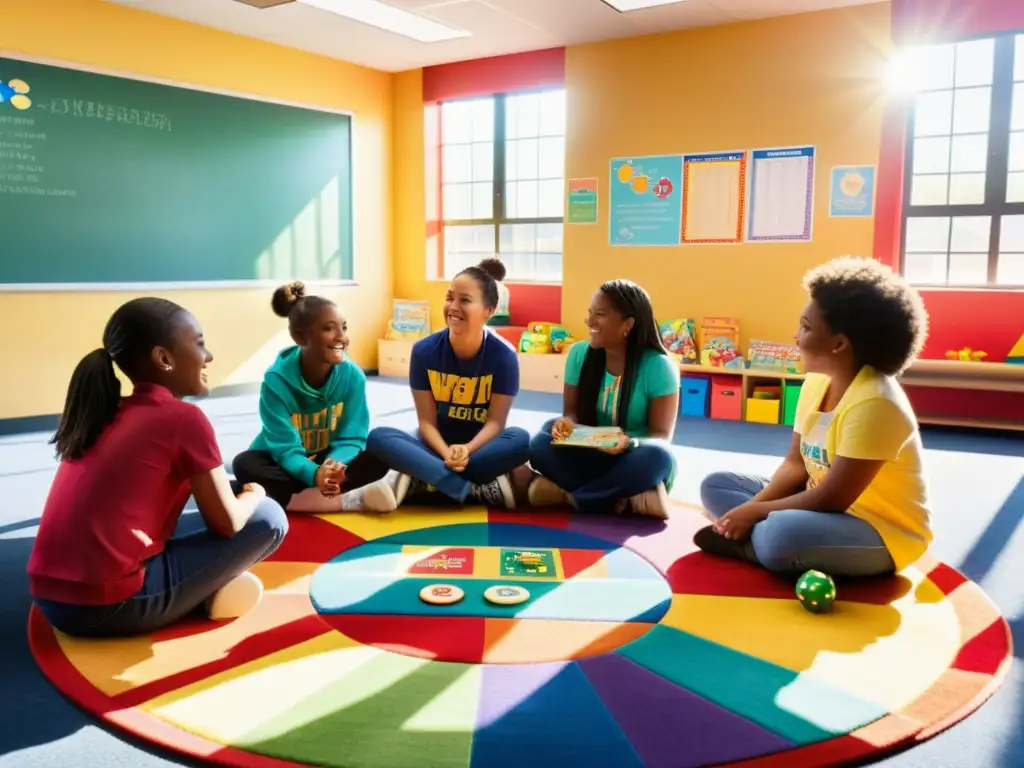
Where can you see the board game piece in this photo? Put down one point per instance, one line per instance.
(816, 591)
(441, 594)
(525, 562)
(506, 594)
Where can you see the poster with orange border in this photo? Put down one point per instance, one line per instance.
(714, 198)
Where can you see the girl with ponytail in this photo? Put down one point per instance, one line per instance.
(108, 559)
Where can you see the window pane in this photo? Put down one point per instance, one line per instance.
(549, 199)
(526, 200)
(967, 189)
(457, 163)
(1018, 60)
(526, 160)
(1010, 270)
(974, 62)
(552, 113)
(1015, 188)
(551, 158)
(1011, 234)
(971, 234)
(1017, 115)
(483, 119)
(522, 116)
(457, 201)
(465, 245)
(970, 153)
(925, 268)
(968, 268)
(1016, 160)
(483, 161)
(532, 251)
(971, 108)
(483, 200)
(933, 66)
(928, 234)
(929, 190)
(933, 114)
(549, 238)
(511, 200)
(931, 155)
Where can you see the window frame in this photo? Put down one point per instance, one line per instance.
(996, 169)
(499, 218)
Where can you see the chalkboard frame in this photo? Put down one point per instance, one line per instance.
(194, 285)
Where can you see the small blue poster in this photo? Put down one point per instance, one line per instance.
(852, 191)
(645, 203)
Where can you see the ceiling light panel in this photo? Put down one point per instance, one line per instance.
(624, 6)
(391, 19)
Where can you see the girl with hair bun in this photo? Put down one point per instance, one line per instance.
(310, 454)
(463, 382)
(114, 555)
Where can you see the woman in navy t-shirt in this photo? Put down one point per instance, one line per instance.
(463, 382)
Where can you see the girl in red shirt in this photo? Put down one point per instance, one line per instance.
(110, 557)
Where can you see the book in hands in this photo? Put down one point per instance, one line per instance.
(591, 437)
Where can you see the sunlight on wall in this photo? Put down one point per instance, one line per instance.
(309, 244)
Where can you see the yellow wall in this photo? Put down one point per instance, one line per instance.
(44, 335)
(813, 78)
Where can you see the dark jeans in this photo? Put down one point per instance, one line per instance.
(408, 454)
(260, 467)
(195, 563)
(597, 480)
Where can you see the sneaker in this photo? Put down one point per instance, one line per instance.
(544, 493)
(236, 598)
(375, 497)
(711, 541)
(497, 493)
(651, 503)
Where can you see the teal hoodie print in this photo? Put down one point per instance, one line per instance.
(300, 422)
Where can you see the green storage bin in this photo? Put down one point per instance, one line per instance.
(790, 397)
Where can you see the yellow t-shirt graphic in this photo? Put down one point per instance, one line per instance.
(874, 421)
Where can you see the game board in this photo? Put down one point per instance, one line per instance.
(633, 650)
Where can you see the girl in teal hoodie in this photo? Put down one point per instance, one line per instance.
(310, 455)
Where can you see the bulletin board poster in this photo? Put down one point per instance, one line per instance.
(852, 192)
(645, 200)
(581, 206)
(781, 194)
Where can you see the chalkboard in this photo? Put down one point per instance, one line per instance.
(109, 181)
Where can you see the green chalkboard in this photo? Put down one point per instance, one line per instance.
(110, 181)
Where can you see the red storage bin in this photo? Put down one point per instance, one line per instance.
(727, 397)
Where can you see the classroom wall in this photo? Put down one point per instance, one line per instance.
(43, 335)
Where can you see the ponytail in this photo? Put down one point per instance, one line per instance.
(91, 404)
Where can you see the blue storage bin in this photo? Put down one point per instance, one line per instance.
(695, 396)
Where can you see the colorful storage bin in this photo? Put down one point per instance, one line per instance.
(695, 396)
(727, 397)
(764, 404)
(790, 396)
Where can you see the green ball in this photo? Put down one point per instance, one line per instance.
(816, 591)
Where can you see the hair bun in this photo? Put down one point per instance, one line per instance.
(494, 267)
(286, 297)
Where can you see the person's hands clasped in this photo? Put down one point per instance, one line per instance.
(739, 521)
(457, 458)
(329, 477)
(255, 489)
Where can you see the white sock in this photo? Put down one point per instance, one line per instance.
(378, 496)
(236, 598)
(311, 500)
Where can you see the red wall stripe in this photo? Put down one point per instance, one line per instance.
(497, 74)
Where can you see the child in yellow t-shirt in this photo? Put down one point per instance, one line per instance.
(850, 497)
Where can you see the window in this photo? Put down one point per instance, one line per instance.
(964, 190)
(502, 182)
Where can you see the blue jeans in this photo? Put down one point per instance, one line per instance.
(597, 480)
(194, 564)
(408, 454)
(796, 540)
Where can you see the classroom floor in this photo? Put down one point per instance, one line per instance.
(977, 482)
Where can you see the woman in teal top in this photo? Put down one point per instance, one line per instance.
(623, 377)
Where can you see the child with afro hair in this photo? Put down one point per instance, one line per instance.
(850, 498)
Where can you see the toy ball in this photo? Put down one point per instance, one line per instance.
(816, 591)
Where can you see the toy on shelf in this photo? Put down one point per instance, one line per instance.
(544, 338)
(680, 340)
(1016, 354)
(410, 320)
(770, 355)
(720, 343)
(967, 354)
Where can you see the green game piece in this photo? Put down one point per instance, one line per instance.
(816, 591)
(528, 562)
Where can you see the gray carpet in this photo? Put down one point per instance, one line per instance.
(978, 485)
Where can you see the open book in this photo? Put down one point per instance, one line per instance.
(591, 437)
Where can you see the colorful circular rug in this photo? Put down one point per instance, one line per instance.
(632, 649)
